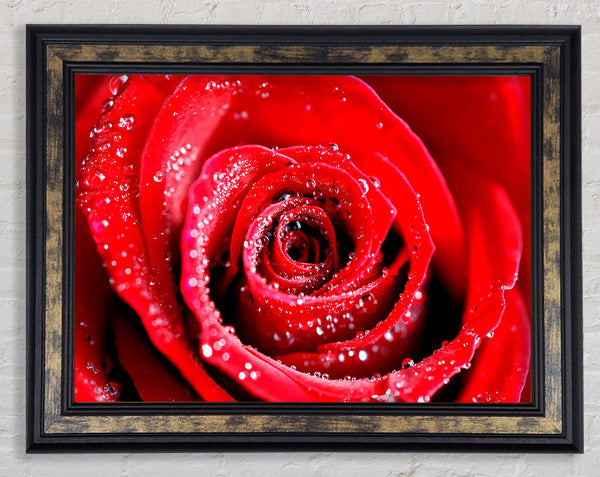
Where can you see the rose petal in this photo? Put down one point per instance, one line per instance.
(311, 318)
(366, 357)
(501, 365)
(93, 299)
(495, 234)
(154, 381)
(220, 347)
(482, 122)
(106, 193)
(217, 341)
(495, 245)
(93, 296)
(215, 113)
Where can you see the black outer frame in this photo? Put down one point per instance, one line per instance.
(567, 39)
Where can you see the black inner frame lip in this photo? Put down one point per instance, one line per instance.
(533, 71)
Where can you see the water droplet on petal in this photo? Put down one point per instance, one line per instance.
(126, 122)
(107, 105)
(207, 351)
(364, 186)
(367, 300)
(332, 204)
(159, 176)
(376, 183)
(117, 84)
(93, 180)
(100, 129)
(318, 194)
(407, 363)
(284, 194)
(99, 225)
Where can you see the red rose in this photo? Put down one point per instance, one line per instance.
(291, 239)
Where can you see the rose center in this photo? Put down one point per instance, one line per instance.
(297, 246)
(304, 243)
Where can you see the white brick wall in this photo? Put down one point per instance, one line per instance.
(14, 14)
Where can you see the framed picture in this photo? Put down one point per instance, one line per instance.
(304, 238)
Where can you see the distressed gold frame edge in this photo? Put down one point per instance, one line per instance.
(549, 423)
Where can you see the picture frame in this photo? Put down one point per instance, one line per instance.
(548, 55)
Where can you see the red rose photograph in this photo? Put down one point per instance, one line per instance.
(302, 238)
